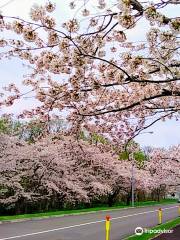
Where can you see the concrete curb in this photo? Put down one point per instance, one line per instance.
(73, 214)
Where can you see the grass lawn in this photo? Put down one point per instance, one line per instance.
(79, 211)
(145, 236)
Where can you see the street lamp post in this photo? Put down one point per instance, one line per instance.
(132, 179)
(131, 158)
(132, 186)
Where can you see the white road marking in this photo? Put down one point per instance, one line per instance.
(82, 224)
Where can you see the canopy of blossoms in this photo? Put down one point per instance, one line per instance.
(70, 171)
(88, 67)
(164, 165)
(59, 167)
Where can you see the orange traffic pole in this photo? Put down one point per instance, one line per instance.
(107, 227)
(160, 215)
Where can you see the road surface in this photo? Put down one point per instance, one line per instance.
(87, 226)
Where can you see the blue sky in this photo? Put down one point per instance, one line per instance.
(164, 133)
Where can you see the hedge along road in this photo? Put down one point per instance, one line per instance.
(87, 226)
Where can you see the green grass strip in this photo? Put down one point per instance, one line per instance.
(165, 226)
(80, 211)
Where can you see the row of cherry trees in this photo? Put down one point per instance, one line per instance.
(88, 70)
(59, 172)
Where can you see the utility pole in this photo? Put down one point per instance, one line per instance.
(132, 185)
(132, 179)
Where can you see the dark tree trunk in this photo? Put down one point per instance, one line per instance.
(112, 197)
(128, 199)
(110, 200)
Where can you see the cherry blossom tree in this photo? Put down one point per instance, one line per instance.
(55, 169)
(59, 170)
(106, 82)
(90, 71)
(164, 167)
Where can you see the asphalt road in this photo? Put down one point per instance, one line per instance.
(87, 226)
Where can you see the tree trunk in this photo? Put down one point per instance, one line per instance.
(110, 201)
(128, 199)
